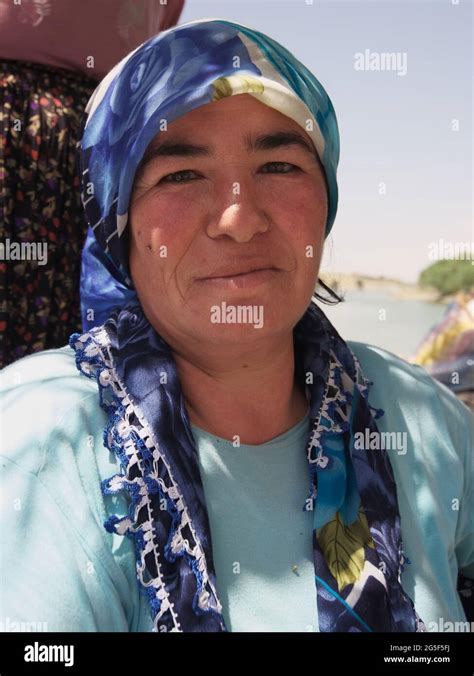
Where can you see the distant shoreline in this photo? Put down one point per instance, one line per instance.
(341, 282)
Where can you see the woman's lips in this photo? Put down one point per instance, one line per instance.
(241, 281)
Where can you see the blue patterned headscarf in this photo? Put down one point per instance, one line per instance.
(351, 490)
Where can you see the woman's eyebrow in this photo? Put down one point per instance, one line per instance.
(182, 148)
(277, 140)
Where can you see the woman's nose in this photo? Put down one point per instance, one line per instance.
(238, 213)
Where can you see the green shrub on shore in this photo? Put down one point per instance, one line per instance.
(449, 276)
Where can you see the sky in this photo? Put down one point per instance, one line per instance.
(406, 172)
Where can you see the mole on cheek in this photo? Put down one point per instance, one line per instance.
(148, 246)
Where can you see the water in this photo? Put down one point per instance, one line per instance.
(406, 322)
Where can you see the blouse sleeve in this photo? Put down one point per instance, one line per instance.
(60, 570)
(459, 420)
(51, 581)
(465, 532)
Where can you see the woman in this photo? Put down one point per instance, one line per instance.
(257, 486)
(52, 56)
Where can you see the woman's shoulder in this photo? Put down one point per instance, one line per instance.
(394, 376)
(376, 359)
(53, 462)
(40, 367)
(45, 397)
(49, 371)
(440, 426)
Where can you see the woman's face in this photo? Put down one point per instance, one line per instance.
(231, 205)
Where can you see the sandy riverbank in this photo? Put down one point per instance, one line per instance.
(341, 282)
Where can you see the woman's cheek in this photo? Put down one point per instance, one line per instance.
(293, 191)
(165, 224)
(301, 207)
(300, 214)
(176, 206)
(161, 214)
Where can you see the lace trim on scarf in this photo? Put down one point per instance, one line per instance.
(128, 436)
(334, 414)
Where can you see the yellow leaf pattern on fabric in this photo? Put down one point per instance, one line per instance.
(343, 547)
(226, 86)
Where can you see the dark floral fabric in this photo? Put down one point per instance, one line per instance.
(40, 114)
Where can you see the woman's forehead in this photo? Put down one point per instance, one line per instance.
(239, 109)
(256, 125)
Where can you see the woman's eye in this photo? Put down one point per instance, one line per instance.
(186, 175)
(282, 167)
(178, 176)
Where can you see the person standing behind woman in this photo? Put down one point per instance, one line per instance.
(52, 55)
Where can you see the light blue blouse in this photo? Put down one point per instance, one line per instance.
(60, 570)
(255, 496)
